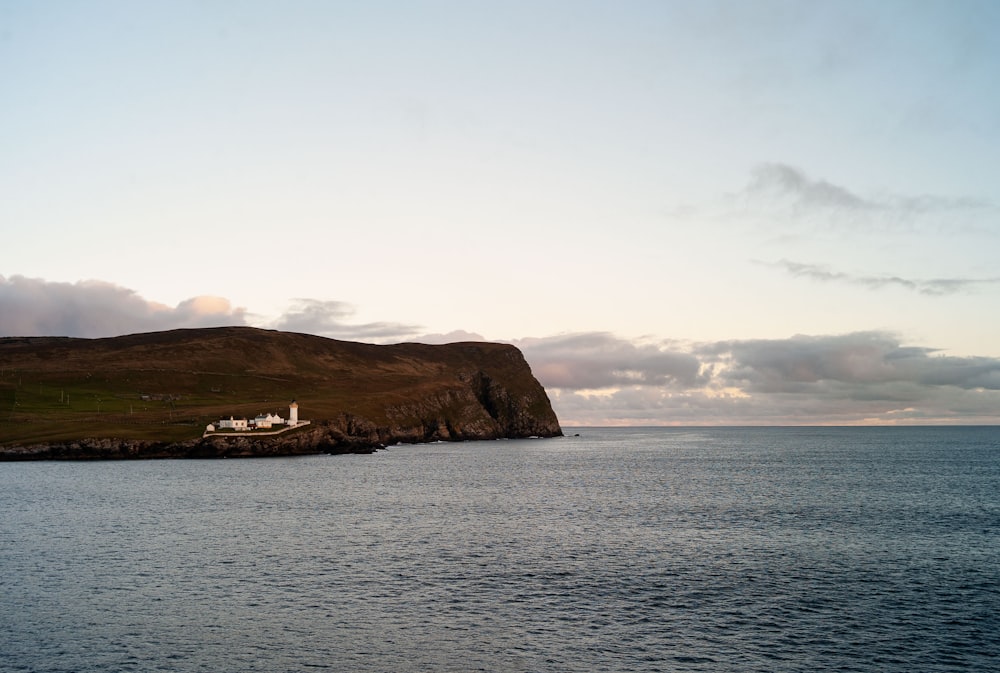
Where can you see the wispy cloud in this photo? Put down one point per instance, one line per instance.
(92, 308)
(331, 319)
(784, 202)
(785, 182)
(931, 286)
(783, 191)
(792, 185)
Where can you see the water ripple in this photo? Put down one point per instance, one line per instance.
(715, 550)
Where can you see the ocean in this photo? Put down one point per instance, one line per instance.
(681, 549)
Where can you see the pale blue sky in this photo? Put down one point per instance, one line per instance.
(668, 175)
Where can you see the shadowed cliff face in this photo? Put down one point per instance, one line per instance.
(151, 395)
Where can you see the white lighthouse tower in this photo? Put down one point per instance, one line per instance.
(293, 414)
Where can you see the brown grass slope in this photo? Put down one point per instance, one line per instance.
(166, 386)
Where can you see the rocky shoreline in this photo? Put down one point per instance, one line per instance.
(347, 434)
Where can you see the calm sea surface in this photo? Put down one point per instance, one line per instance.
(789, 549)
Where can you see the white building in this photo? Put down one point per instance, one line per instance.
(268, 420)
(260, 421)
(239, 424)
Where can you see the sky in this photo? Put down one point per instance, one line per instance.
(682, 212)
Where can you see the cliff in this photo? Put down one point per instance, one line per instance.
(151, 395)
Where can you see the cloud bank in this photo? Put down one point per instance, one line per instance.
(599, 360)
(598, 378)
(93, 308)
(857, 378)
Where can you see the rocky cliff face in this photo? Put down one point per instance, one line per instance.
(309, 440)
(358, 396)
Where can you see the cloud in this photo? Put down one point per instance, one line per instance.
(863, 365)
(598, 378)
(328, 318)
(863, 377)
(92, 308)
(454, 336)
(596, 360)
(776, 186)
(783, 203)
(785, 182)
(933, 286)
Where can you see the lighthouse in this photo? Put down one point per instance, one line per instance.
(293, 414)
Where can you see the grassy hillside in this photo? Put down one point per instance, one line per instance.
(167, 386)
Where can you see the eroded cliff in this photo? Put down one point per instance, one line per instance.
(151, 395)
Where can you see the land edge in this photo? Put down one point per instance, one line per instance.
(319, 437)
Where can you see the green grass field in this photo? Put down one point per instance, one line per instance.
(39, 407)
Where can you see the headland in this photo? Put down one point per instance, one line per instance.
(153, 395)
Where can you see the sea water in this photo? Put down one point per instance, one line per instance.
(737, 549)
